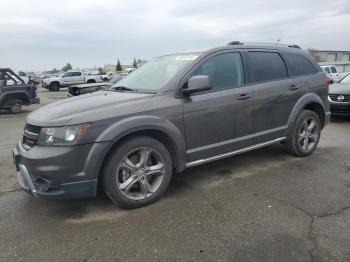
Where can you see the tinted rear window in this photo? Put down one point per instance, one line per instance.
(266, 66)
(334, 70)
(300, 65)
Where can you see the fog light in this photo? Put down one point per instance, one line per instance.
(42, 184)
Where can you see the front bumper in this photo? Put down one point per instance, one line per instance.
(58, 172)
(340, 109)
(35, 100)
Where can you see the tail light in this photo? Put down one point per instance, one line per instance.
(328, 81)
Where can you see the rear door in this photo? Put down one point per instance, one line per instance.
(219, 120)
(275, 93)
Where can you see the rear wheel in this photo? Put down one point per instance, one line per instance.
(138, 172)
(305, 135)
(91, 81)
(54, 86)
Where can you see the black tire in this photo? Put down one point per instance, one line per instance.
(14, 106)
(111, 175)
(54, 87)
(91, 81)
(296, 141)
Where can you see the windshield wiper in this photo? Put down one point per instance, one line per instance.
(123, 88)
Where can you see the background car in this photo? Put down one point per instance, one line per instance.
(339, 97)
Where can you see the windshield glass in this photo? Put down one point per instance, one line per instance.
(346, 80)
(156, 73)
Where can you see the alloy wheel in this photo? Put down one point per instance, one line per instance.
(140, 173)
(308, 134)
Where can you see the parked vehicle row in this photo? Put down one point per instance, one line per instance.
(76, 90)
(68, 79)
(174, 112)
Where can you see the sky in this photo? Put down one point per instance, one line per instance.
(43, 34)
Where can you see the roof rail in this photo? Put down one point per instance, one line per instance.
(262, 43)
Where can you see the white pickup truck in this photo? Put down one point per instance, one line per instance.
(68, 79)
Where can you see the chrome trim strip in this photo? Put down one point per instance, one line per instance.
(231, 141)
(243, 150)
(23, 173)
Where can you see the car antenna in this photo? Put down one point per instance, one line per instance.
(278, 40)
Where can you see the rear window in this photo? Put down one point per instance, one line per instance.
(326, 69)
(300, 65)
(266, 66)
(334, 70)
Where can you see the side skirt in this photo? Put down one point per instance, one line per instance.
(243, 150)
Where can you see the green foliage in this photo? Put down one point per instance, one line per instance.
(119, 67)
(67, 67)
(100, 70)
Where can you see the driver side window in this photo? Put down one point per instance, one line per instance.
(225, 71)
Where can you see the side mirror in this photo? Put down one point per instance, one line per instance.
(197, 84)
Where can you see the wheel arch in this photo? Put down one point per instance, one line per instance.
(162, 130)
(310, 102)
(15, 96)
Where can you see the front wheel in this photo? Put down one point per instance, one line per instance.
(138, 172)
(305, 135)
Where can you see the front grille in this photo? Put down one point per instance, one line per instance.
(30, 135)
(334, 97)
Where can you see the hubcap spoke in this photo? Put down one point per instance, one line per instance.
(144, 156)
(156, 170)
(128, 184)
(306, 143)
(313, 137)
(128, 165)
(311, 126)
(145, 187)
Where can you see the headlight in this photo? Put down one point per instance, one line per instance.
(62, 136)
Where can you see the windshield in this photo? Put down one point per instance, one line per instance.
(346, 80)
(156, 73)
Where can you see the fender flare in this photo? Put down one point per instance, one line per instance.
(4, 97)
(134, 124)
(301, 104)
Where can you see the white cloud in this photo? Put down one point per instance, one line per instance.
(39, 34)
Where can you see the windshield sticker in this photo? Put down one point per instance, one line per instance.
(186, 57)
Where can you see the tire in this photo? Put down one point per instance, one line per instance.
(132, 183)
(91, 81)
(304, 138)
(14, 106)
(54, 87)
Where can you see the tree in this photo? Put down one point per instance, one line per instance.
(53, 71)
(134, 64)
(67, 67)
(100, 70)
(119, 67)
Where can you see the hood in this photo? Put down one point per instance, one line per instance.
(85, 108)
(339, 89)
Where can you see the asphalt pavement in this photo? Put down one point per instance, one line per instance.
(264, 205)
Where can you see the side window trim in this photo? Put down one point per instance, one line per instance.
(206, 58)
(290, 71)
(251, 79)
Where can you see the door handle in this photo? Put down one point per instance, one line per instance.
(294, 87)
(243, 97)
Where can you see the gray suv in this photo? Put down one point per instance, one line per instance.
(174, 112)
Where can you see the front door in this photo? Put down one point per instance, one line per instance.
(219, 120)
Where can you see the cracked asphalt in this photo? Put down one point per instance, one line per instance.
(264, 205)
